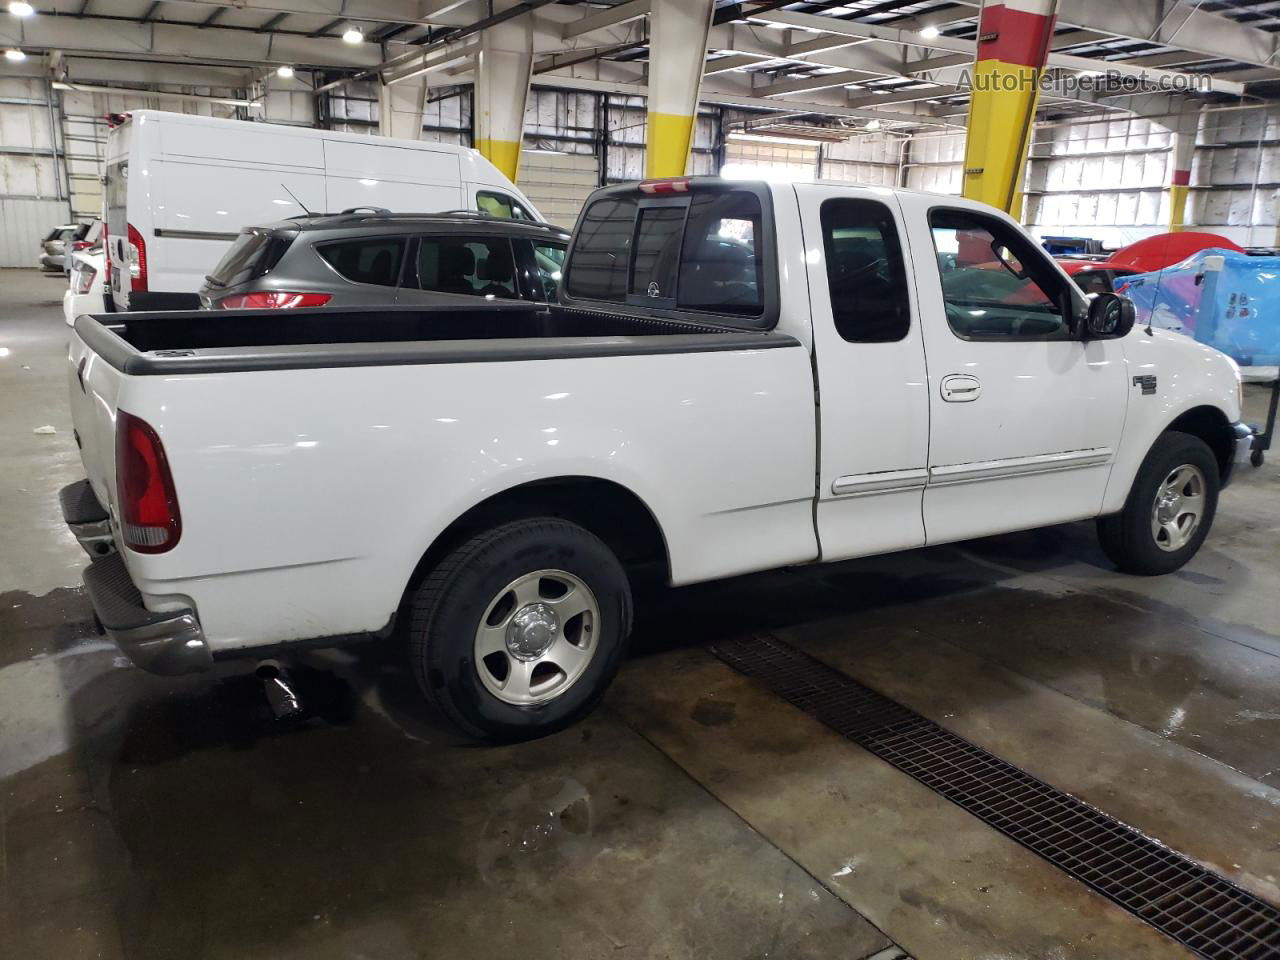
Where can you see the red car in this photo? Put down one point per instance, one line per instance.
(1144, 256)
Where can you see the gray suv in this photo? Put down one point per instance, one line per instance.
(369, 258)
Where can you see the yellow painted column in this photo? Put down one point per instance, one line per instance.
(1013, 44)
(677, 50)
(1184, 146)
(503, 68)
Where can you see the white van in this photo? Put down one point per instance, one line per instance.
(180, 187)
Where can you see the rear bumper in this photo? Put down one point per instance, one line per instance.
(167, 642)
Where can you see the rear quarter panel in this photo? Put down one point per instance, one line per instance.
(309, 496)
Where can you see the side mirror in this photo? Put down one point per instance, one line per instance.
(1111, 316)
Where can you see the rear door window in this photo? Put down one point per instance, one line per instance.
(250, 256)
(549, 262)
(471, 266)
(865, 273)
(372, 260)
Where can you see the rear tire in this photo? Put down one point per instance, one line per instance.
(1170, 508)
(519, 631)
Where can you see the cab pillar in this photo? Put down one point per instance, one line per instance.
(1013, 44)
(503, 67)
(677, 50)
(400, 107)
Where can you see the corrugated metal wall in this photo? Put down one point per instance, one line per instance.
(558, 183)
(1109, 178)
(23, 224)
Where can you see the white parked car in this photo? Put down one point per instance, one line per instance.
(483, 481)
(84, 290)
(178, 188)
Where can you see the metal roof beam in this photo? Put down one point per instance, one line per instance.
(961, 46)
(161, 41)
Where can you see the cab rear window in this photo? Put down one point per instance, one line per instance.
(701, 251)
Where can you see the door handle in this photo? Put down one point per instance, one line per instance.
(961, 388)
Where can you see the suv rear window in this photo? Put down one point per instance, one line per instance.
(374, 260)
(250, 256)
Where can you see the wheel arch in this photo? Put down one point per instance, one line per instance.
(611, 511)
(1211, 425)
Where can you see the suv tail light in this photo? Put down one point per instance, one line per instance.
(273, 300)
(82, 277)
(81, 245)
(148, 502)
(137, 260)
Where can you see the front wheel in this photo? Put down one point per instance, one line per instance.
(1169, 510)
(519, 631)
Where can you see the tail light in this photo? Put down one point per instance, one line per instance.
(81, 245)
(273, 300)
(148, 502)
(82, 278)
(106, 250)
(137, 260)
(669, 185)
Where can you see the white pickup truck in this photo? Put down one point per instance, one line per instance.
(738, 376)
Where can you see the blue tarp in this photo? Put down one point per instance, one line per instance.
(1228, 300)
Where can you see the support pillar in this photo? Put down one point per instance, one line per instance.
(1184, 127)
(1013, 43)
(677, 50)
(503, 68)
(400, 107)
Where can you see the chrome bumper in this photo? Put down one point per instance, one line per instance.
(168, 642)
(1244, 437)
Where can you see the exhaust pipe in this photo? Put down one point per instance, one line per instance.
(284, 700)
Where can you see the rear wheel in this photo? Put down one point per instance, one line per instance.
(519, 631)
(1169, 510)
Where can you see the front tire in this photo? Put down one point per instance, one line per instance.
(519, 631)
(1170, 508)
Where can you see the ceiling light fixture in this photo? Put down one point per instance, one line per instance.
(15, 55)
(872, 125)
(285, 71)
(20, 8)
(930, 32)
(353, 35)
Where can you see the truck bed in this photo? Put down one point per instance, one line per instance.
(220, 341)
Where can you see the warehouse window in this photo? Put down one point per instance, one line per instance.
(995, 284)
(865, 273)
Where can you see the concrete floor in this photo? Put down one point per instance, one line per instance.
(694, 815)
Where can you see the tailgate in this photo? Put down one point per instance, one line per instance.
(94, 387)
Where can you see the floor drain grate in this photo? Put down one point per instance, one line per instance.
(1178, 897)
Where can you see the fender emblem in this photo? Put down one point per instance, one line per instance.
(1147, 382)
